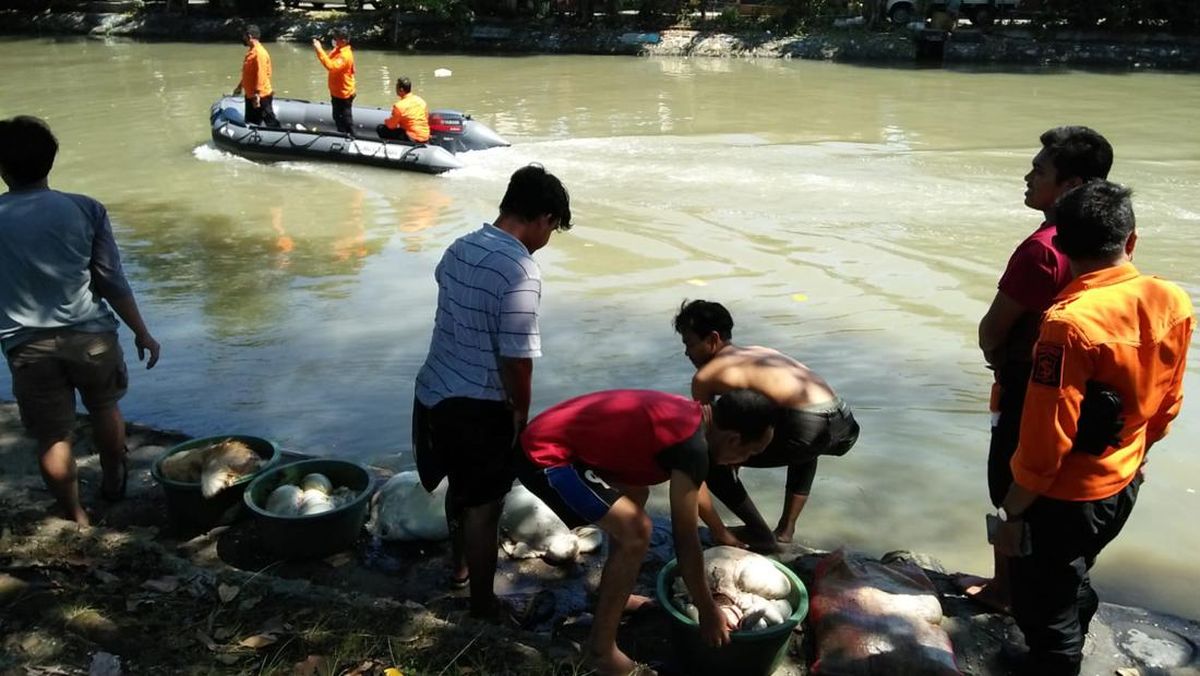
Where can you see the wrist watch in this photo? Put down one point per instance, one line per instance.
(1006, 517)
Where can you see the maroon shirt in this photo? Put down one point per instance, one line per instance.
(1035, 274)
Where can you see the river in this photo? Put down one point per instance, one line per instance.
(855, 217)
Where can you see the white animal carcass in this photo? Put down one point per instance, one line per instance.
(404, 510)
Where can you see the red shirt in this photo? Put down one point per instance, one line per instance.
(1035, 274)
(620, 432)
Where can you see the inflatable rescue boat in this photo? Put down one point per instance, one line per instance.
(307, 132)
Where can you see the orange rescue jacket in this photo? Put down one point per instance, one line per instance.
(1127, 331)
(340, 64)
(411, 114)
(256, 71)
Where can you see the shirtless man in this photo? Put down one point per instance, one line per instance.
(811, 421)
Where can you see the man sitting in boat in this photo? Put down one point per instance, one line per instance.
(410, 116)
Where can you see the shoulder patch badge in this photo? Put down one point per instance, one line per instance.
(1048, 364)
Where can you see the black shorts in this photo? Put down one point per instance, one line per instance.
(1006, 433)
(575, 492)
(469, 442)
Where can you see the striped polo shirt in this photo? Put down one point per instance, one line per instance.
(489, 289)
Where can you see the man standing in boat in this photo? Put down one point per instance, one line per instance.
(410, 116)
(256, 81)
(473, 391)
(811, 420)
(340, 64)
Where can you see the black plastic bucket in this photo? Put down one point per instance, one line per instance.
(187, 505)
(315, 535)
(749, 653)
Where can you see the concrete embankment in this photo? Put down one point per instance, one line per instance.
(1007, 45)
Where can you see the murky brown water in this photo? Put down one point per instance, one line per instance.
(855, 217)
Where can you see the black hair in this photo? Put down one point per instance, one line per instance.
(27, 149)
(746, 412)
(533, 192)
(1077, 152)
(1094, 221)
(702, 317)
(340, 33)
(404, 83)
(252, 31)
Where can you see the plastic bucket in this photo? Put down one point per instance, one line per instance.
(187, 505)
(315, 535)
(749, 653)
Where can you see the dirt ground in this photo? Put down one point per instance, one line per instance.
(136, 593)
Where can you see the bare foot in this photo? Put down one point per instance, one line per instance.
(616, 663)
(784, 536)
(982, 591)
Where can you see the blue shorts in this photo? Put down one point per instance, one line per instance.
(575, 492)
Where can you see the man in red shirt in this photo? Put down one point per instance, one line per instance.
(592, 459)
(1036, 272)
(1107, 382)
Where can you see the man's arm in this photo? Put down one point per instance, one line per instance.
(516, 374)
(702, 390)
(996, 324)
(108, 280)
(1160, 422)
(684, 516)
(127, 309)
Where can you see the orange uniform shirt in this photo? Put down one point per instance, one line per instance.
(340, 64)
(412, 115)
(1127, 331)
(256, 71)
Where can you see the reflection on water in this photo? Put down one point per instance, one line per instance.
(857, 218)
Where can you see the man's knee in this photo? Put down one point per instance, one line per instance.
(635, 530)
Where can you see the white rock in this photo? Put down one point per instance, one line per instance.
(317, 482)
(285, 500)
(404, 510)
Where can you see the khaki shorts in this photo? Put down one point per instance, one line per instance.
(46, 372)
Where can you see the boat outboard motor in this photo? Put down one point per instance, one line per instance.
(457, 132)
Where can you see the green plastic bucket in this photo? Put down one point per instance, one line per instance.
(187, 505)
(316, 535)
(748, 653)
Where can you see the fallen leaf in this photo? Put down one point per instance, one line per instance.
(228, 658)
(249, 602)
(274, 625)
(258, 641)
(162, 585)
(223, 633)
(340, 559)
(366, 667)
(392, 671)
(227, 592)
(313, 665)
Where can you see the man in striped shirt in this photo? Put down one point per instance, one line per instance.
(473, 392)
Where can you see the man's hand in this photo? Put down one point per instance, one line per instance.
(237, 90)
(146, 343)
(255, 101)
(714, 625)
(316, 44)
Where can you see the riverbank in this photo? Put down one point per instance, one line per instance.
(1008, 45)
(137, 591)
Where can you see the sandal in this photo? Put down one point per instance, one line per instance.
(119, 494)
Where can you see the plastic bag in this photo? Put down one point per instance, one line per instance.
(878, 619)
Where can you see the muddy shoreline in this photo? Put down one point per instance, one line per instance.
(140, 589)
(1006, 46)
